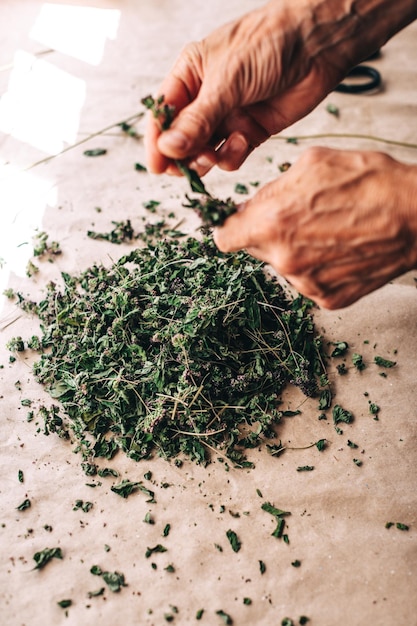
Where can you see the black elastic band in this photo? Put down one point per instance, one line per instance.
(362, 71)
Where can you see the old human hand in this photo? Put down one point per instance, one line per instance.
(337, 224)
(254, 77)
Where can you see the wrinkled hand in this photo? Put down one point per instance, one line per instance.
(235, 88)
(337, 225)
(254, 77)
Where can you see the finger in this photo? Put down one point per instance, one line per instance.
(196, 124)
(177, 94)
(233, 152)
(235, 234)
(156, 162)
(255, 223)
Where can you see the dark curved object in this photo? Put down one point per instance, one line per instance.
(361, 71)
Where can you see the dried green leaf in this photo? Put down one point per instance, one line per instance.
(95, 152)
(233, 540)
(332, 109)
(114, 580)
(358, 362)
(24, 505)
(241, 188)
(157, 548)
(340, 348)
(64, 604)
(225, 617)
(270, 508)
(341, 415)
(43, 557)
(379, 360)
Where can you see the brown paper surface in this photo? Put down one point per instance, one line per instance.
(354, 571)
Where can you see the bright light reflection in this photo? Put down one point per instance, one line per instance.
(23, 199)
(78, 31)
(42, 104)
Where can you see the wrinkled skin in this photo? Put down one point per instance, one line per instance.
(254, 77)
(337, 224)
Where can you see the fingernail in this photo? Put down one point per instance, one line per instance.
(174, 140)
(238, 145)
(202, 164)
(233, 152)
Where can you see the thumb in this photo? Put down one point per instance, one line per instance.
(193, 128)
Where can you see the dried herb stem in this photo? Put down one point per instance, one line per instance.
(390, 142)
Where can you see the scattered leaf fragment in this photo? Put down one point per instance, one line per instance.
(64, 604)
(122, 231)
(332, 109)
(325, 400)
(233, 540)
(341, 415)
(340, 348)
(95, 594)
(126, 487)
(270, 508)
(373, 408)
(114, 580)
(379, 360)
(95, 152)
(358, 362)
(107, 471)
(43, 557)
(279, 530)
(84, 506)
(24, 505)
(148, 519)
(157, 548)
(225, 617)
(241, 188)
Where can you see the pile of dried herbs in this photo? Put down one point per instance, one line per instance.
(175, 349)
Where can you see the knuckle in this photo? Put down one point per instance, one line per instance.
(315, 154)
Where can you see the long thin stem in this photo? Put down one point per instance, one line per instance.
(391, 142)
(81, 141)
